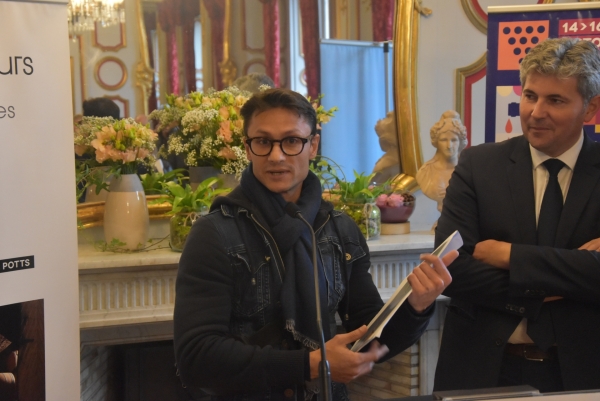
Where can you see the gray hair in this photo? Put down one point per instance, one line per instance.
(449, 122)
(565, 58)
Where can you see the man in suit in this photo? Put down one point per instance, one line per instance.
(525, 305)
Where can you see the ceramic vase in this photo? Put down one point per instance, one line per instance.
(126, 212)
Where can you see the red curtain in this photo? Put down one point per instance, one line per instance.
(168, 18)
(383, 19)
(216, 13)
(272, 39)
(309, 10)
(190, 9)
(150, 24)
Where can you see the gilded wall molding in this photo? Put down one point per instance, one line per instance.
(108, 48)
(460, 80)
(405, 93)
(227, 66)
(477, 15)
(124, 102)
(98, 73)
(144, 74)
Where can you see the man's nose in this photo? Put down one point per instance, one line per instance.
(539, 110)
(276, 153)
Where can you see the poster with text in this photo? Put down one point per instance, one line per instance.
(512, 32)
(39, 316)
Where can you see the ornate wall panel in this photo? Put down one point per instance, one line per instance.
(110, 73)
(465, 78)
(122, 103)
(109, 39)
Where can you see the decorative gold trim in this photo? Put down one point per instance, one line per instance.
(227, 66)
(144, 74)
(460, 78)
(476, 19)
(405, 91)
(103, 84)
(125, 103)
(91, 214)
(122, 44)
(72, 65)
(82, 69)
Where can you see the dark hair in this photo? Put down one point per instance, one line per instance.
(101, 107)
(279, 98)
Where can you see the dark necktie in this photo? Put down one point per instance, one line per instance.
(541, 330)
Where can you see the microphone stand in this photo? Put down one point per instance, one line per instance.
(324, 373)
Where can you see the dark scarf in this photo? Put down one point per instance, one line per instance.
(293, 240)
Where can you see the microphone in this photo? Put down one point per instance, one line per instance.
(325, 375)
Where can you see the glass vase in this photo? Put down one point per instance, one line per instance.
(366, 215)
(180, 226)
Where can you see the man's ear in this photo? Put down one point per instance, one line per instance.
(592, 108)
(314, 145)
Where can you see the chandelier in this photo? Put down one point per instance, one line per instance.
(82, 15)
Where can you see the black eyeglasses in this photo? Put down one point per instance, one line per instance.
(290, 146)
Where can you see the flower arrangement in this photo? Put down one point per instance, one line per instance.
(122, 145)
(210, 128)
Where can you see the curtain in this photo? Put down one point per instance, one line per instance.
(309, 11)
(168, 18)
(216, 13)
(272, 39)
(358, 90)
(150, 24)
(190, 9)
(383, 19)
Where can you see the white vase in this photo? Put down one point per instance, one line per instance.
(91, 196)
(126, 212)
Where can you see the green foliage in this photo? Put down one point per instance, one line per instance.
(153, 182)
(327, 170)
(86, 175)
(185, 200)
(361, 190)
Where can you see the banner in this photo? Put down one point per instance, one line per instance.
(512, 32)
(39, 314)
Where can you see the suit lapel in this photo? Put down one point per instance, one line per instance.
(520, 173)
(585, 178)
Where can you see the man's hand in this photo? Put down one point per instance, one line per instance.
(593, 245)
(492, 252)
(346, 365)
(429, 279)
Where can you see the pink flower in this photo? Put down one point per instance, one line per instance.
(227, 153)
(395, 200)
(380, 201)
(224, 112)
(225, 131)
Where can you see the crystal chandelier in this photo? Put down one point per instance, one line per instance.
(83, 14)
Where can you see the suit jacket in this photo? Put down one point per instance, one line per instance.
(491, 196)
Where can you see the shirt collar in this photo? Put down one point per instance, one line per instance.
(569, 157)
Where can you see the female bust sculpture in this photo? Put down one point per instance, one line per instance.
(449, 137)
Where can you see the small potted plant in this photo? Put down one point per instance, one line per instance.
(187, 206)
(357, 199)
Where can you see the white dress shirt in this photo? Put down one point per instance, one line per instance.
(540, 181)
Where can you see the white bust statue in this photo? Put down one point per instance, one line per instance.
(449, 137)
(388, 165)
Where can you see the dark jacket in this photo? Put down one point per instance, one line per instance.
(491, 196)
(228, 337)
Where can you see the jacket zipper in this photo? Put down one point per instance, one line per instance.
(269, 245)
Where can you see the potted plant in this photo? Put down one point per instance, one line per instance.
(187, 205)
(357, 199)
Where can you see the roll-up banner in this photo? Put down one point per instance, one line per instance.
(39, 317)
(512, 32)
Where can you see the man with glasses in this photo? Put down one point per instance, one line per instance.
(245, 311)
